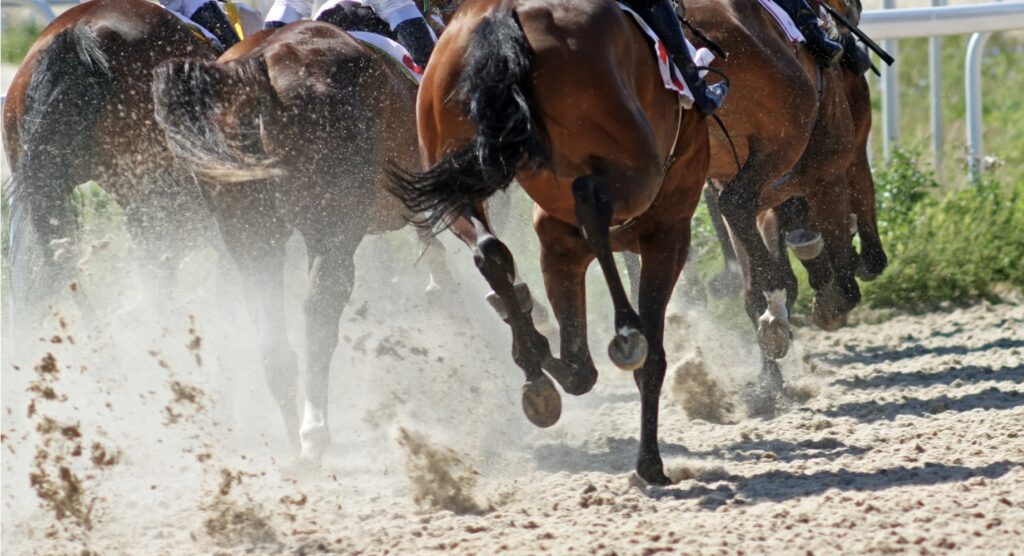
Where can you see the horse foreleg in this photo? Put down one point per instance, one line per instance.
(512, 301)
(331, 279)
(564, 258)
(628, 349)
(441, 279)
(256, 242)
(663, 259)
(830, 212)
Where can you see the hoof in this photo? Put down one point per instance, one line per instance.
(824, 318)
(864, 273)
(806, 245)
(653, 472)
(628, 349)
(314, 442)
(432, 289)
(773, 336)
(541, 402)
(573, 379)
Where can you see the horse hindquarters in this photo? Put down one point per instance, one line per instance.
(71, 80)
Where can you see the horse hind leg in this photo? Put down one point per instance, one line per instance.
(513, 302)
(564, 261)
(331, 281)
(255, 238)
(628, 349)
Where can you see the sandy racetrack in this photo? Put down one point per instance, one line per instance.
(906, 436)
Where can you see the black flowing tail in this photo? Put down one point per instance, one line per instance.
(495, 85)
(191, 100)
(70, 84)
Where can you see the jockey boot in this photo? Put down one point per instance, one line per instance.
(415, 36)
(663, 20)
(855, 58)
(273, 24)
(213, 19)
(826, 51)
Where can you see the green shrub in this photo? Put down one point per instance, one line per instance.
(15, 40)
(954, 248)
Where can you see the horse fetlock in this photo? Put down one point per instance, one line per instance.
(651, 469)
(805, 244)
(314, 435)
(628, 349)
(575, 380)
(541, 402)
(773, 331)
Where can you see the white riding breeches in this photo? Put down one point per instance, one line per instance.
(393, 12)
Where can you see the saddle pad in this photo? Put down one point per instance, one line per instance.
(392, 49)
(670, 75)
(783, 20)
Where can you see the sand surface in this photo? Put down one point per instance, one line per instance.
(906, 436)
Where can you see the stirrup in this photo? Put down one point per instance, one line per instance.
(713, 97)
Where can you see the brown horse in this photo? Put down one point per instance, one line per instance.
(79, 109)
(291, 130)
(798, 171)
(564, 96)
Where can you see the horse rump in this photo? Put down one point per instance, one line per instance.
(495, 87)
(70, 83)
(212, 115)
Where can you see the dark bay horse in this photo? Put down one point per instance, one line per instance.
(798, 172)
(291, 130)
(565, 97)
(79, 109)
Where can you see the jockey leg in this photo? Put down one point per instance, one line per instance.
(407, 22)
(825, 50)
(855, 58)
(284, 12)
(663, 20)
(209, 15)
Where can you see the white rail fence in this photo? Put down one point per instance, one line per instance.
(979, 20)
(887, 25)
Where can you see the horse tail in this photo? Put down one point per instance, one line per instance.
(495, 85)
(212, 115)
(70, 83)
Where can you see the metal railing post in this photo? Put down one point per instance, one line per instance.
(972, 79)
(935, 86)
(890, 95)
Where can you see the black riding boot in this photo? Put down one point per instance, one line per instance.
(416, 38)
(825, 50)
(273, 24)
(855, 58)
(663, 20)
(213, 19)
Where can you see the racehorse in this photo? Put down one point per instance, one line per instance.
(792, 174)
(565, 97)
(79, 109)
(291, 130)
